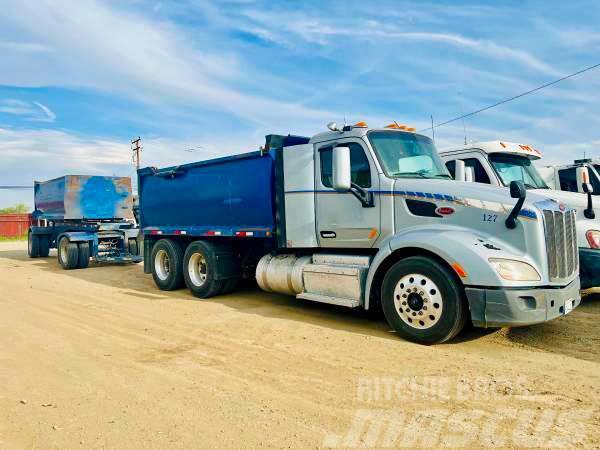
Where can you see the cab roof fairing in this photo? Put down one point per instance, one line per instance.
(491, 147)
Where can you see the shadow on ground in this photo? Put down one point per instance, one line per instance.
(577, 334)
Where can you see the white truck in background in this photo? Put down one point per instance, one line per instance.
(499, 163)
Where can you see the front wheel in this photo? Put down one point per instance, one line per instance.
(423, 301)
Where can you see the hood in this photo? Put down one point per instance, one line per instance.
(461, 190)
(573, 199)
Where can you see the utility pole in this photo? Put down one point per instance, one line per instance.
(136, 148)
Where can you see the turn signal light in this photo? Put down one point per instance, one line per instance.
(459, 270)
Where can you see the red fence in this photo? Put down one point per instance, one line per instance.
(12, 225)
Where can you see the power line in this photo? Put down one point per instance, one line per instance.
(523, 94)
(16, 187)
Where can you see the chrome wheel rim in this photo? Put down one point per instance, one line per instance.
(162, 265)
(63, 247)
(418, 301)
(197, 269)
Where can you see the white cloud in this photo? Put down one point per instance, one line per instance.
(34, 111)
(117, 51)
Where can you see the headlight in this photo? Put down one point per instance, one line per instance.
(593, 238)
(509, 269)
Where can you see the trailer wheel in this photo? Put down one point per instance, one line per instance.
(167, 265)
(68, 254)
(133, 247)
(33, 245)
(84, 255)
(199, 264)
(423, 301)
(44, 246)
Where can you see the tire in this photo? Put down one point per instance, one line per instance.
(229, 286)
(199, 265)
(68, 254)
(167, 265)
(133, 247)
(33, 245)
(44, 245)
(84, 255)
(423, 301)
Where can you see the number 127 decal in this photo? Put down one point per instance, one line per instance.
(490, 217)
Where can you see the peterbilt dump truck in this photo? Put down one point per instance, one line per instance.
(499, 163)
(84, 217)
(362, 218)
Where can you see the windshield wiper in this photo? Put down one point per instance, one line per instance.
(409, 174)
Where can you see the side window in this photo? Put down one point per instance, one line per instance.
(481, 175)
(361, 172)
(451, 166)
(568, 179)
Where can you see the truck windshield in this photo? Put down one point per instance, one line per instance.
(517, 168)
(407, 155)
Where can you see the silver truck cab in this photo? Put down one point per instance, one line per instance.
(500, 162)
(433, 251)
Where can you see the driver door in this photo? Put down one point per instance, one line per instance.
(342, 221)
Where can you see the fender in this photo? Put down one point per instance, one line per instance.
(452, 244)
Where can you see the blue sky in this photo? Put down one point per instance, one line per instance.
(197, 79)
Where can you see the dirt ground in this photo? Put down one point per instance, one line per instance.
(99, 358)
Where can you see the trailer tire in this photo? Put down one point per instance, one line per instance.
(33, 245)
(200, 262)
(423, 301)
(133, 247)
(84, 255)
(68, 254)
(167, 265)
(44, 245)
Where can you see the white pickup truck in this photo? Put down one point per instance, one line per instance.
(499, 163)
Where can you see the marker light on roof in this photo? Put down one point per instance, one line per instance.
(411, 129)
(361, 124)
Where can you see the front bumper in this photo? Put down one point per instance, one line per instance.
(517, 307)
(589, 267)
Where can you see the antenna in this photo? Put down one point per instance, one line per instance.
(460, 103)
(136, 148)
(432, 129)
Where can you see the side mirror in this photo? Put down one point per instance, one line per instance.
(469, 174)
(518, 191)
(342, 180)
(459, 170)
(589, 211)
(583, 178)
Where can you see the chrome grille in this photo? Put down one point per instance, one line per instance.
(561, 243)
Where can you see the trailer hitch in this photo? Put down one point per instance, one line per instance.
(518, 191)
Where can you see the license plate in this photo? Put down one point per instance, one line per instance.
(569, 306)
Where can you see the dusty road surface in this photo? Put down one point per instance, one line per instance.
(99, 358)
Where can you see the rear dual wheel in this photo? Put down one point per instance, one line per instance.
(423, 301)
(200, 270)
(73, 255)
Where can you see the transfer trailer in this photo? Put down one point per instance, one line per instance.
(84, 217)
(362, 218)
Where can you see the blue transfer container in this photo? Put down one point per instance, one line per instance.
(226, 196)
(83, 197)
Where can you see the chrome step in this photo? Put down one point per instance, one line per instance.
(349, 303)
(342, 260)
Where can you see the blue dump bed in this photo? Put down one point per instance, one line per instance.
(84, 197)
(231, 196)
